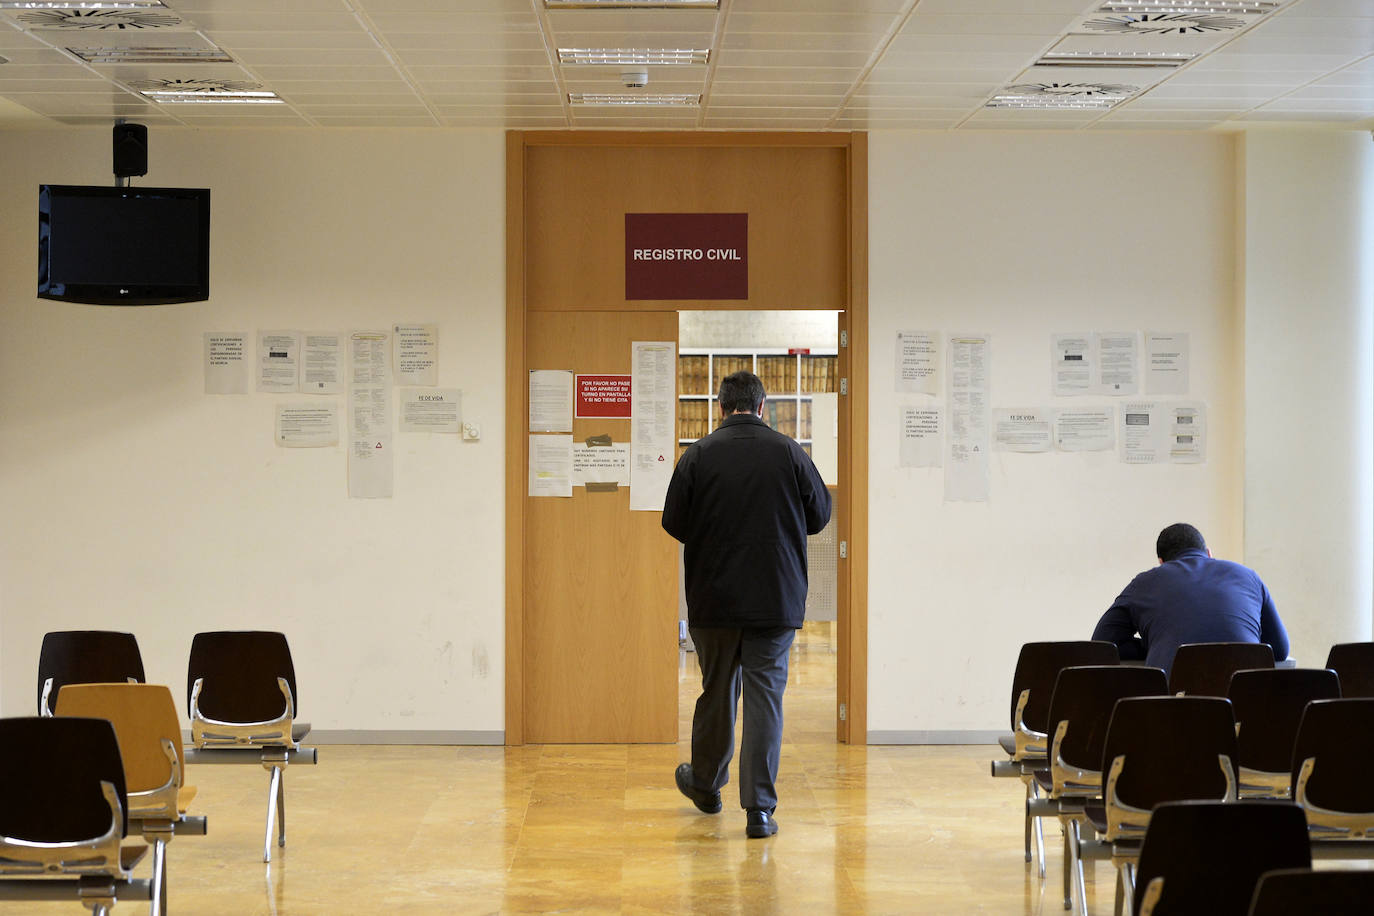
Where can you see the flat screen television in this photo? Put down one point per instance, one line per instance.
(123, 246)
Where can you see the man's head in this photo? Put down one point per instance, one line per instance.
(1175, 539)
(741, 392)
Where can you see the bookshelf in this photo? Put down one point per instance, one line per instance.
(788, 378)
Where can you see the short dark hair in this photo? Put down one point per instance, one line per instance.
(1177, 538)
(741, 391)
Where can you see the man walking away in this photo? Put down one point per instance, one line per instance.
(742, 501)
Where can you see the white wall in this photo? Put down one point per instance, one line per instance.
(131, 500)
(1309, 291)
(1021, 235)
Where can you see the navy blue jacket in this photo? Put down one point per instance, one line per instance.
(1191, 598)
(743, 500)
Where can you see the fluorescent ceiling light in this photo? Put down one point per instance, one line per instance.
(211, 98)
(81, 4)
(193, 94)
(642, 56)
(1090, 103)
(152, 55)
(616, 99)
(1115, 59)
(1235, 7)
(631, 4)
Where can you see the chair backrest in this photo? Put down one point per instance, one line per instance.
(1171, 746)
(1204, 669)
(1039, 665)
(1085, 697)
(1268, 704)
(1211, 855)
(240, 670)
(1284, 892)
(50, 775)
(143, 716)
(86, 657)
(1340, 735)
(1354, 662)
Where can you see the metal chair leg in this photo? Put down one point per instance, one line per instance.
(272, 795)
(281, 808)
(1078, 867)
(1029, 788)
(158, 906)
(1067, 827)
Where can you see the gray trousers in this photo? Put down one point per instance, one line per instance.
(757, 660)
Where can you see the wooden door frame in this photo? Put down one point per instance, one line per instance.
(851, 688)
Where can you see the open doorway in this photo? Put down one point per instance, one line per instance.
(797, 356)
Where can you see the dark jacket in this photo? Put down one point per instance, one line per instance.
(1191, 598)
(743, 500)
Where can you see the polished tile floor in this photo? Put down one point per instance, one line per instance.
(601, 829)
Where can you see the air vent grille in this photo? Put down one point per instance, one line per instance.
(1164, 24)
(152, 55)
(88, 20)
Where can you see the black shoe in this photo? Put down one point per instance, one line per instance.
(759, 824)
(706, 802)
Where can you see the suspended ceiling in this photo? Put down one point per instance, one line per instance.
(769, 64)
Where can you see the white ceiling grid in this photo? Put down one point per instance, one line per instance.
(772, 65)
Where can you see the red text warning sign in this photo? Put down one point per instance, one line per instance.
(603, 396)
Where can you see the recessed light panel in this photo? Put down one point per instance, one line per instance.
(1115, 59)
(631, 4)
(618, 99)
(1233, 7)
(152, 55)
(642, 56)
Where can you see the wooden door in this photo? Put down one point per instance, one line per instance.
(600, 629)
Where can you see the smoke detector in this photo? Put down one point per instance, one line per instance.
(634, 79)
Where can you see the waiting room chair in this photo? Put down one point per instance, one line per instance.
(1331, 777)
(1354, 662)
(85, 657)
(1204, 669)
(63, 817)
(1268, 704)
(1080, 710)
(1157, 749)
(1037, 667)
(1285, 892)
(1205, 858)
(242, 696)
(148, 728)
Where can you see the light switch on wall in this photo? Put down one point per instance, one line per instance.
(471, 432)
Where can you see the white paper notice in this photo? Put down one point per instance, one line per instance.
(1188, 432)
(369, 408)
(1118, 363)
(278, 360)
(601, 464)
(966, 444)
(1168, 362)
(431, 410)
(307, 425)
(653, 436)
(417, 353)
(226, 368)
(1144, 439)
(322, 363)
(917, 368)
(551, 465)
(1088, 429)
(1022, 429)
(920, 437)
(1071, 364)
(551, 400)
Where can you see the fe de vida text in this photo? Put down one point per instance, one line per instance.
(685, 254)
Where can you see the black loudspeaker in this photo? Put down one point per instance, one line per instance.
(130, 150)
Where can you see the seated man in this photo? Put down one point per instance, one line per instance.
(1190, 597)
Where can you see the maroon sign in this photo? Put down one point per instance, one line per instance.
(686, 255)
(603, 396)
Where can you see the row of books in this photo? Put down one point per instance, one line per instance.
(780, 374)
(696, 419)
